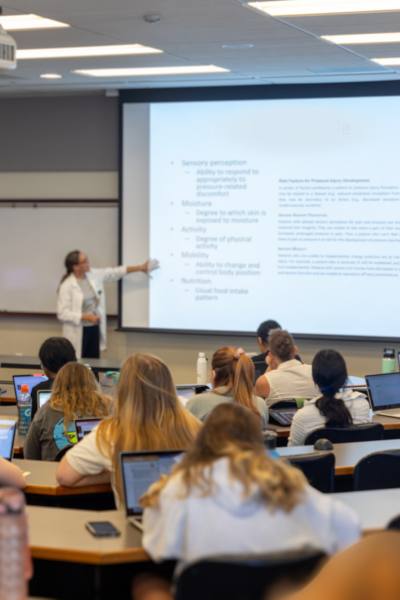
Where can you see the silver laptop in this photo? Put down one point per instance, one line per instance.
(139, 470)
(43, 396)
(85, 426)
(384, 394)
(7, 435)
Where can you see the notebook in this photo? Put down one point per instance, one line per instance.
(85, 426)
(138, 471)
(43, 396)
(384, 393)
(30, 380)
(7, 435)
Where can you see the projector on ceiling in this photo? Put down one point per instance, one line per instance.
(8, 50)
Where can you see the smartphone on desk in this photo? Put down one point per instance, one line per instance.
(102, 529)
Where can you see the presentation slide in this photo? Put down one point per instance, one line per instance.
(284, 209)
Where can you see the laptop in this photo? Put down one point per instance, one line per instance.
(30, 380)
(7, 435)
(188, 390)
(43, 396)
(85, 426)
(138, 471)
(384, 393)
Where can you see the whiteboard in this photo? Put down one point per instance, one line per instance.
(34, 243)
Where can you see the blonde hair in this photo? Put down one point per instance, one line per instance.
(76, 393)
(231, 431)
(148, 414)
(235, 370)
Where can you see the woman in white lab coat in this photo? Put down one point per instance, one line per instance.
(81, 305)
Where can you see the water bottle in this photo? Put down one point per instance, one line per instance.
(389, 360)
(24, 409)
(201, 369)
(15, 562)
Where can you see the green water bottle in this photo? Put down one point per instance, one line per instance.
(389, 360)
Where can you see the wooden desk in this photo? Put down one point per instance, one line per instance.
(60, 534)
(375, 508)
(70, 562)
(346, 455)
(389, 424)
(41, 480)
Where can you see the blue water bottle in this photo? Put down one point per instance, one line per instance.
(24, 409)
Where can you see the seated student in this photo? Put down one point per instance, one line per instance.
(11, 475)
(286, 377)
(54, 353)
(232, 380)
(75, 394)
(263, 332)
(147, 416)
(226, 496)
(331, 408)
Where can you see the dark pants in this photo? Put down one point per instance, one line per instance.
(91, 342)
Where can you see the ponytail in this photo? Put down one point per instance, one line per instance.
(234, 369)
(330, 374)
(70, 261)
(243, 382)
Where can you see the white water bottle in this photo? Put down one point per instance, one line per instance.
(201, 369)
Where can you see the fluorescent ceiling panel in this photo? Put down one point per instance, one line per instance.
(286, 8)
(26, 22)
(363, 38)
(143, 71)
(84, 51)
(387, 62)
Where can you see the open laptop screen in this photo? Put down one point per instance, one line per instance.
(7, 434)
(43, 396)
(30, 380)
(139, 470)
(384, 390)
(85, 426)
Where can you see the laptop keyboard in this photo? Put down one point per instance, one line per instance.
(282, 417)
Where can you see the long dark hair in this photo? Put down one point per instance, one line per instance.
(329, 373)
(70, 261)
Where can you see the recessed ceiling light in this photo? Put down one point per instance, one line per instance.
(82, 51)
(50, 76)
(143, 71)
(387, 62)
(238, 46)
(23, 22)
(363, 38)
(285, 8)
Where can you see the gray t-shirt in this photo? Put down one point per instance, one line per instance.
(202, 404)
(90, 300)
(47, 436)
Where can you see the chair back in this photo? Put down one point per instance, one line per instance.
(341, 435)
(319, 469)
(245, 578)
(379, 470)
